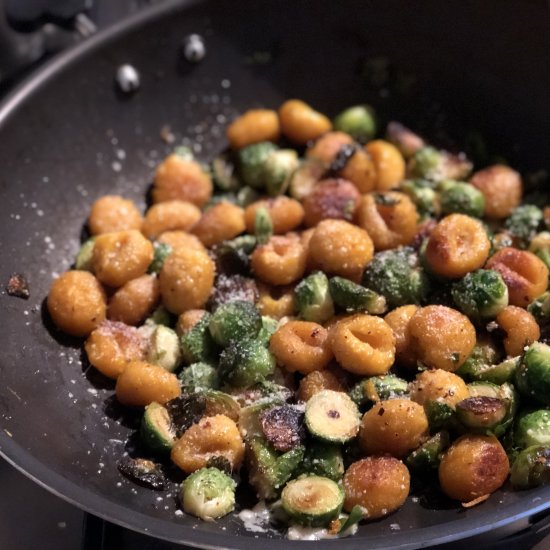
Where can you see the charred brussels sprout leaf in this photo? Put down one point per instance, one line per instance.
(143, 472)
(233, 257)
(283, 427)
(186, 410)
(221, 463)
(233, 288)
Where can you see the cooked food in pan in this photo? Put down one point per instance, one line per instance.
(322, 315)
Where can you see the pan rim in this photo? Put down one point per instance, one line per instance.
(101, 506)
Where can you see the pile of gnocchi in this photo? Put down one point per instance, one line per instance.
(321, 314)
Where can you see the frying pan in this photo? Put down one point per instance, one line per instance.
(452, 70)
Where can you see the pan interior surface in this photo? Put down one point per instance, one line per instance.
(71, 138)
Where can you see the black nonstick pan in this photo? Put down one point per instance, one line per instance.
(454, 70)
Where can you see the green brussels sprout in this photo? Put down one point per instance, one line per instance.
(164, 348)
(440, 415)
(540, 246)
(233, 257)
(437, 165)
(247, 195)
(197, 345)
(505, 392)
(462, 198)
(198, 377)
(428, 456)
(208, 494)
(353, 297)
(397, 275)
(252, 161)
(278, 168)
(235, 321)
(269, 326)
(533, 428)
(305, 177)
(481, 294)
(481, 414)
(249, 417)
(524, 222)
(161, 316)
(323, 459)
(263, 225)
(357, 121)
(161, 252)
(499, 240)
(486, 352)
(312, 300)
(83, 260)
(497, 374)
(273, 392)
(223, 173)
(245, 362)
(218, 402)
(531, 468)
(270, 470)
(157, 431)
(378, 388)
(426, 163)
(540, 308)
(424, 196)
(184, 152)
(533, 374)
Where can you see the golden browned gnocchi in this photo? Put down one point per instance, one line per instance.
(186, 279)
(77, 303)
